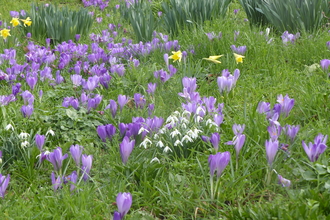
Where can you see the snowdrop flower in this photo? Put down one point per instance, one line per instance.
(193, 133)
(156, 136)
(186, 114)
(211, 123)
(23, 135)
(51, 132)
(184, 120)
(142, 129)
(145, 142)
(175, 133)
(186, 139)
(25, 144)
(9, 126)
(155, 159)
(160, 144)
(166, 149)
(198, 119)
(176, 143)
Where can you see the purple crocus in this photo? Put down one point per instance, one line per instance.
(110, 130)
(124, 203)
(227, 81)
(4, 181)
(313, 151)
(56, 182)
(102, 133)
(32, 81)
(215, 139)
(27, 110)
(325, 64)
(76, 151)
(271, 150)
(239, 50)
(139, 100)
(151, 88)
(86, 165)
(122, 100)
(274, 131)
(287, 37)
(284, 182)
(291, 131)
(76, 80)
(286, 104)
(40, 141)
(113, 107)
(218, 162)
(56, 158)
(126, 148)
(73, 177)
(263, 107)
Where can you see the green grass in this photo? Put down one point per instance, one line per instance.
(177, 187)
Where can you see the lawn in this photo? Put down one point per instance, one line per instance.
(138, 110)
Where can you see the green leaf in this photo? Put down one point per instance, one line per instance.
(72, 114)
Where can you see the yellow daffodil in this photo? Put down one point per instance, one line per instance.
(15, 22)
(4, 33)
(239, 58)
(177, 55)
(213, 58)
(27, 21)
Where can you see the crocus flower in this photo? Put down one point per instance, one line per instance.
(56, 182)
(126, 148)
(325, 64)
(76, 80)
(27, 110)
(271, 150)
(56, 158)
(110, 130)
(40, 141)
(124, 203)
(101, 131)
(113, 107)
(291, 131)
(215, 139)
(86, 165)
(73, 177)
(213, 59)
(313, 151)
(122, 100)
(238, 58)
(139, 100)
(176, 55)
(284, 182)
(151, 88)
(4, 181)
(286, 104)
(274, 131)
(263, 107)
(239, 50)
(76, 151)
(227, 81)
(218, 162)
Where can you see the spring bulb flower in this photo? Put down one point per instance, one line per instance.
(176, 55)
(213, 59)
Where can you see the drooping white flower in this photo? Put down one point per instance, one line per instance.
(175, 133)
(160, 144)
(25, 144)
(186, 139)
(177, 142)
(23, 135)
(51, 132)
(9, 126)
(145, 142)
(155, 159)
(166, 149)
